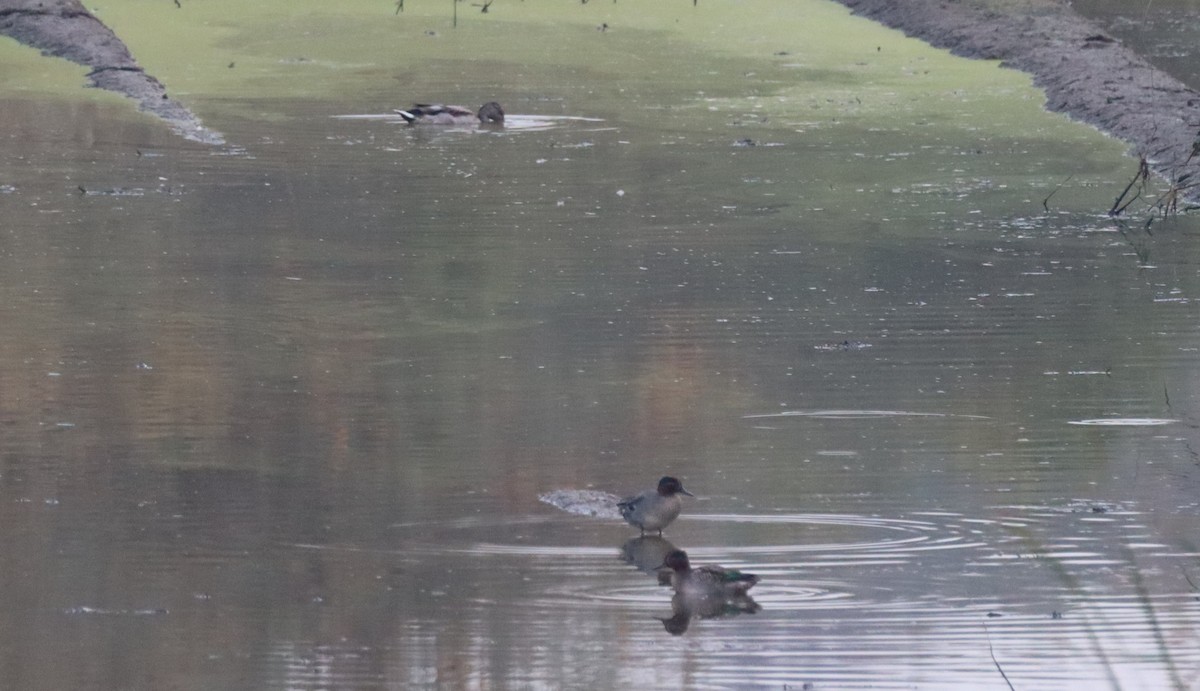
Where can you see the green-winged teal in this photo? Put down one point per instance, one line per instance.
(437, 114)
(706, 581)
(655, 508)
(686, 606)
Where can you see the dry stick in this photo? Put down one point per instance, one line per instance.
(1186, 578)
(1142, 172)
(1056, 189)
(992, 652)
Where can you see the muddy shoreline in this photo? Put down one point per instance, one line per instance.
(1085, 73)
(65, 29)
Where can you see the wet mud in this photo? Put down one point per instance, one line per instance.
(65, 29)
(1085, 73)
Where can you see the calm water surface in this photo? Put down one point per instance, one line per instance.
(277, 416)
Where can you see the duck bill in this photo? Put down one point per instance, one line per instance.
(684, 491)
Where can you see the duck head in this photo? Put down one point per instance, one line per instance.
(669, 485)
(491, 113)
(676, 561)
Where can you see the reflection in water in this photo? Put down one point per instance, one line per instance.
(295, 404)
(648, 553)
(686, 606)
(706, 592)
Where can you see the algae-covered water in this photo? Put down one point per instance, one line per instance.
(277, 415)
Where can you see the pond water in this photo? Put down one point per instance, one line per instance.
(278, 415)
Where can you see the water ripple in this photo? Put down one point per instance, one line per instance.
(860, 414)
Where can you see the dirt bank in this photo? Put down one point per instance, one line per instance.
(1085, 73)
(63, 28)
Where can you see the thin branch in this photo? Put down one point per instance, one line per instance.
(1188, 579)
(1139, 178)
(1056, 189)
(992, 652)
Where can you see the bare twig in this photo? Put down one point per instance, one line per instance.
(1188, 578)
(992, 652)
(1056, 189)
(1139, 180)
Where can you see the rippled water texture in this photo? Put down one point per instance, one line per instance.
(348, 404)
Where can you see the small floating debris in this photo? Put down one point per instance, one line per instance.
(127, 191)
(113, 192)
(1092, 506)
(844, 346)
(84, 609)
(583, 502)
(1098, 41)
(1124, 422)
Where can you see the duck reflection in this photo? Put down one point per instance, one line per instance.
(686, 606)
(648, 554)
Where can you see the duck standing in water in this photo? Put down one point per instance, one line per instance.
(711, 582)
(437, 114)
(655, 508)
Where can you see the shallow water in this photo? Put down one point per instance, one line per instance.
(279, 415)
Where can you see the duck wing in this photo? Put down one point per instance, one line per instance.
(628, 504)
(732, 577)
(425, 110)
(458, 111)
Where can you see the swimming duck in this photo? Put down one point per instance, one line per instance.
(437, 114)
(712, 582)
(655, 508)
(685, 607)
